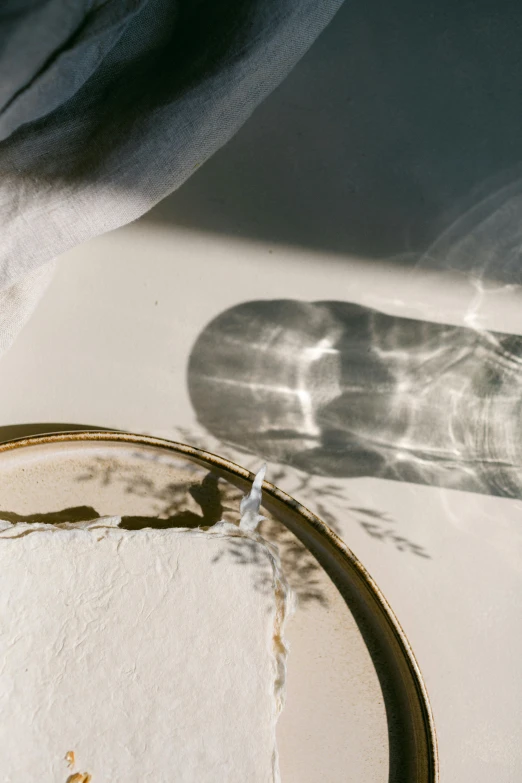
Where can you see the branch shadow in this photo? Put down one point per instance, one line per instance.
(193, 504)
(306, 573)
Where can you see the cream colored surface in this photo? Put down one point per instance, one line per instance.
(357, 149)
(151, 653)
(108, 355)
(334, 718)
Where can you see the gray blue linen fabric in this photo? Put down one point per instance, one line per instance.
(107, 106)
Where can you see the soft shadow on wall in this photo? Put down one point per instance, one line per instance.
(378, 138)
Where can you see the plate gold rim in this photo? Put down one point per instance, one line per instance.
(312, 519)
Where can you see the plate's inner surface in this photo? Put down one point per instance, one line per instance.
(334, 726)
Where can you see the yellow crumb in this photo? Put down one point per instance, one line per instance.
(79, 777)
(69, 757)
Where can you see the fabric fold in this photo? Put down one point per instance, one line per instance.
(173, 84)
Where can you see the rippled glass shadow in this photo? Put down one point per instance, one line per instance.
(336, 389)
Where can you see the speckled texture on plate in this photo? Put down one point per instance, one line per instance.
(357, 708)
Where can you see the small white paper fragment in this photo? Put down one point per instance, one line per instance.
(251, 503)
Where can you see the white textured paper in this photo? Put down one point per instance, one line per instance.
(154, 655)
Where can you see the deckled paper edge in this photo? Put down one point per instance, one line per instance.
(19, 529)
(285, 600)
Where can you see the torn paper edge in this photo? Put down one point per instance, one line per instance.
(285, 601)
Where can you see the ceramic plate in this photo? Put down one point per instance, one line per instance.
(357, 709)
